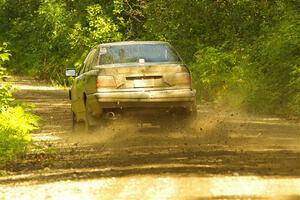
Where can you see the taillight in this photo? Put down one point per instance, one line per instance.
(183, 79)
(105, 82)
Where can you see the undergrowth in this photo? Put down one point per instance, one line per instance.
(16, 122)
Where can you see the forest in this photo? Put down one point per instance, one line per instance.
(243, 54)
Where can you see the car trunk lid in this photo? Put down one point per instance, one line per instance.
(130, 76)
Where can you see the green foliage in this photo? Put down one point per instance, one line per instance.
(6, 98)
(15, 128)
(277, 59)
(189, 23)
(5, 90)
(223, 76)
(4, 56)
(100, 28)
(242, 53)
(15, 123)
(58, 33)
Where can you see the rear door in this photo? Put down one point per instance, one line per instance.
(81, 84)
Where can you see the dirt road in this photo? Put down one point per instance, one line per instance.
(229, 155)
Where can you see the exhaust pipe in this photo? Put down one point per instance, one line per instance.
(110, 115)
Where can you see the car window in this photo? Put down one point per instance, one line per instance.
(91, 60)
(134, 52)
(95, 60)
(81, 69)
(84, 65)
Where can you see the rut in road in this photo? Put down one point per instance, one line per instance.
(224, 142)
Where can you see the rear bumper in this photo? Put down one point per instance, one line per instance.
(152, 98)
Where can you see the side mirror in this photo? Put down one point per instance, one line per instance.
(70, 72)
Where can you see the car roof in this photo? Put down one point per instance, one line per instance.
(131, 42)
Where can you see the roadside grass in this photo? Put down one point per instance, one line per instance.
(16, 125)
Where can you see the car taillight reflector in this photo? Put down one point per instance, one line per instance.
(183, 79)
(105, 82)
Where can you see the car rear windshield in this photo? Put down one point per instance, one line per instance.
(137, 53)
